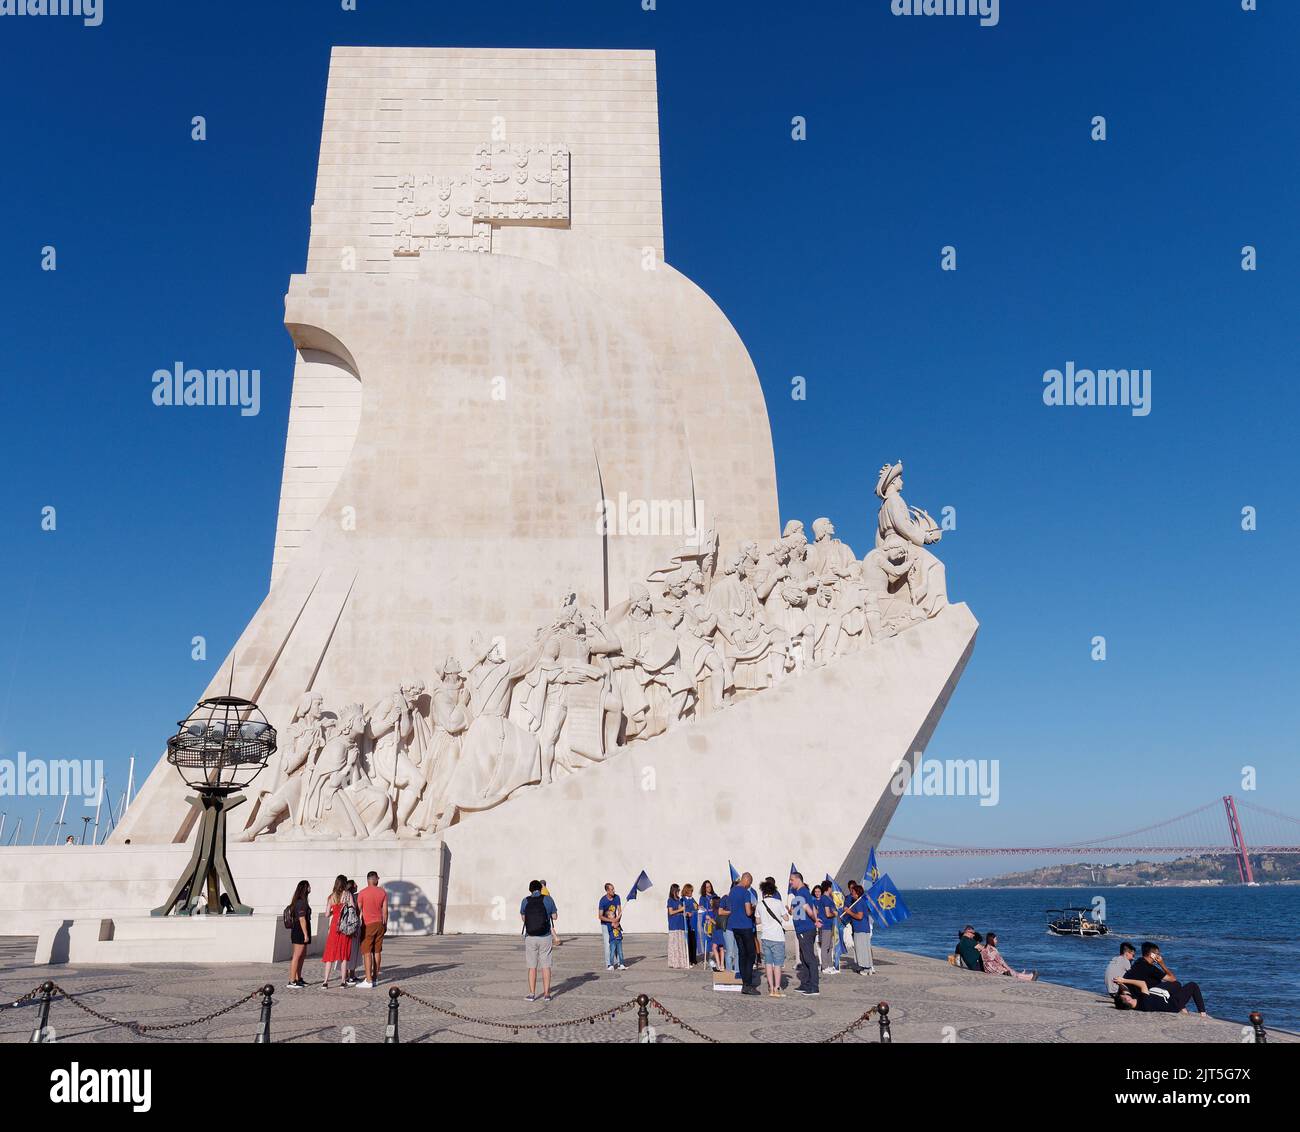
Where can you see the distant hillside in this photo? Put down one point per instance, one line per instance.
(1281, 869)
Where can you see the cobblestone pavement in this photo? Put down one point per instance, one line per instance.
(482, 977)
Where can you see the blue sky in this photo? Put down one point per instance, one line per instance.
(825, 254)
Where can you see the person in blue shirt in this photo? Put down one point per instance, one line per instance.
(828, 933)
(741, 901)
(692, 922)
(609, 912)
(676, 929)
(807, 922)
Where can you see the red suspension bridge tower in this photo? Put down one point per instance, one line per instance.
(1238, 841)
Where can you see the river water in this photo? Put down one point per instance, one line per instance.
(1237, 942)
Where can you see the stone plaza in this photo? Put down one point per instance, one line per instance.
(482, 978)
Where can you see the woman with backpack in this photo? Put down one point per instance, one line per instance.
(297, 918)
(345, 922)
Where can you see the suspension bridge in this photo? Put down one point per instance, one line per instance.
(1214, 829)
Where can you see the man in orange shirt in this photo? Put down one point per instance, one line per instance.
(373, 902)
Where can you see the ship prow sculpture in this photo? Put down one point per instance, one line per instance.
(532, 608)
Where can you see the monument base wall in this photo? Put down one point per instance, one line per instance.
(45, 890)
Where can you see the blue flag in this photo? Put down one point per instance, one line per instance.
(873, 870)
(789, 888)
(642, 883)
(886, 902)
(735, 876)
(837, 893)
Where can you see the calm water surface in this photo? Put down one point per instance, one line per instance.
(1239, 943)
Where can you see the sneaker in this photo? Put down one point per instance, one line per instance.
(324, 986)
(609, 966)
(546, 998)
(292, 985)
(750, 990)
(622, 966)
(366, 985)
(530, 998)
(810, 993)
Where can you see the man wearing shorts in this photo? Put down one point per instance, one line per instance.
(537, 913)
(373, 902)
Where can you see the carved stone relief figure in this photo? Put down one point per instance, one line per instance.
(695, 626)
(449, 711)
(656, 692)
(828, 556)
(289, 786)
(746, 644)
(400, 737)
(498, 757)
(341, 800)
(902, 535)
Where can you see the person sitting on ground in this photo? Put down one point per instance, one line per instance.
(1162, 998)
(1118, 967)
(994, 964)
(966, 950)
(1151, 967)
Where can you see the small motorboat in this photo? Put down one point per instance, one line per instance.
(1075, 921)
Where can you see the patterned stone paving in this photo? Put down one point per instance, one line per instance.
(482, 977)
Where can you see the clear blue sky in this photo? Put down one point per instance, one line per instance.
(922, 132)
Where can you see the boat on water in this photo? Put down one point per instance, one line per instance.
(1075, 921)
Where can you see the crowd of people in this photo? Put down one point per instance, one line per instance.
(744, 931)
(978, 952)
(1146, 984)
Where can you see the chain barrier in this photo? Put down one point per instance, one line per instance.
(28, 997)
(881, 1010)
(608, 1014)
(140, 1028)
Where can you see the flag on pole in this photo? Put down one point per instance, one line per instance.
(837, 894)
(886, 902)
(789, 888)
(642, 883)
(873, 870)
(735, 876)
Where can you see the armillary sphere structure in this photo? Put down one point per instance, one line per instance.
(219, 748)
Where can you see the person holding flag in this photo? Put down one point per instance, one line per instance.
(829, 934)
(857, 915)
(731, 952)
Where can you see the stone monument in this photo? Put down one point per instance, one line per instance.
(520, 438)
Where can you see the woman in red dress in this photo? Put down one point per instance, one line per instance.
(338, 947)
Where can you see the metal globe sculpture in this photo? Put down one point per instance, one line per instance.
(218, 749)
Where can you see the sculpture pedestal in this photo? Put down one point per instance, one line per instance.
(96, 941)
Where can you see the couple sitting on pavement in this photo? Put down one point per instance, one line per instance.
(979, 953)
(1146, 984)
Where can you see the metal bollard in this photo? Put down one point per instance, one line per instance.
(642, 1013)
(1257, 1020)
(264, 1023)
(886, 1037)
(42, 1032)
(391, 1037)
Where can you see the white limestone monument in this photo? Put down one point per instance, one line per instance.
(532, 609)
